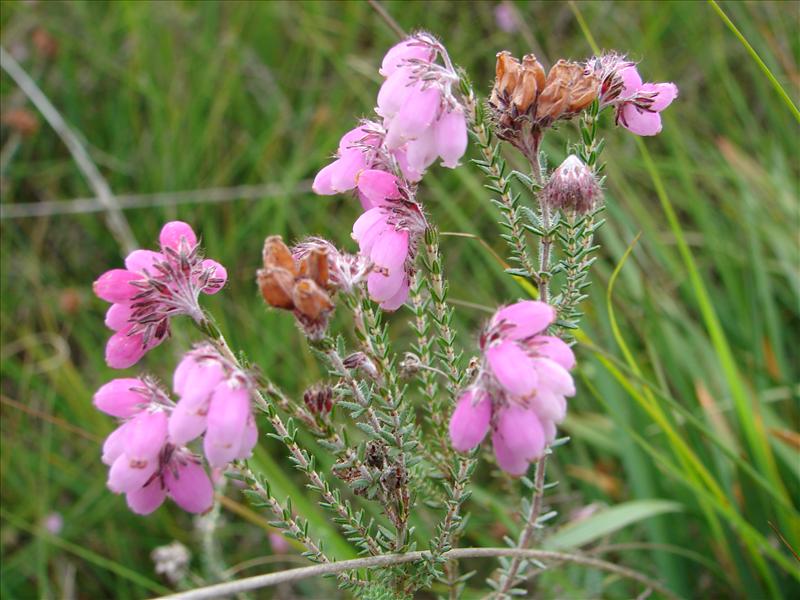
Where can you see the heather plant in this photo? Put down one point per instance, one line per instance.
(404, 425)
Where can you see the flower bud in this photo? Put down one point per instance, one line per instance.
(572, 187)
(319, 400)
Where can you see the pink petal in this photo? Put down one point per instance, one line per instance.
(368, 229)
(127, 475)
(116, 398)
(631, 81)
(323, 181)
(390, 250)
(114, 286)
(665, 94)
(555, 349)
(366, 204)
(422, 152)
(518, 438)
(393, 93)
(640, 122)
(173, 232)
(123, 350)
(470, 421)
(378, 186)
(114, 445)
(227, 419)
(219, 272)
(410, 173)
(190, 487)
(201, 382)
(513, 368)
(356, 138)
(345, 169)
(143, 261)
(525, 318)
(418, 113)
(145, 500)
(549, 406)
(398, 299)
(147, 436)
(549, 431)
(553, 377)
(249, 439)
(118, 316)
(187, 422)
(399, 54)
(382, 288)
(451, 138)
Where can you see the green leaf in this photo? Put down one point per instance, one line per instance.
(608, 521)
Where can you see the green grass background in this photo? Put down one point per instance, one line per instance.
(691, 398)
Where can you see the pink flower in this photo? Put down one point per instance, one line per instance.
(153, 287)
(640, 104)
(521, 390)
(146, 454)
(214, 398)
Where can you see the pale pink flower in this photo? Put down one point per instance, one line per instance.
(639, 104)
(153, 287)
(572, 186)
(215, 400)
(521, 389)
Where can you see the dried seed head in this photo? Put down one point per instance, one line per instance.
(359, 360)
(277, 254)
(276, 285)
(310, 300)
(569, 89)
(319, 400)
(375, 455)
(572, 187)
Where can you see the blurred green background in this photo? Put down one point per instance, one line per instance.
(173, 96)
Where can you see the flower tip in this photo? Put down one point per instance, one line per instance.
(173, 232)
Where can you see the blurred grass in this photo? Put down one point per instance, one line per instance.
(700, 411)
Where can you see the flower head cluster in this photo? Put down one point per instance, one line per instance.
(152, 288)
(521, 388)
(572, 186)
(422, 120)
(637, 104)
(147, 453)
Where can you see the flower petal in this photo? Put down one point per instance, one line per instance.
(219, 276)
(553, 377)
(118, 316)
(640, 122)
(145, 500)
(399, 299)
(451, 138)
(249, 439)
(323, 185)
(114, 445)
(631, 81)
(117, 398)
(513, 368)
(518, 438)
(226, 422)
(127, 475)
(174, 232)
(187, 422)
(398, 55)
(390, 250)
(148, 434)
(190, 487)
(470, 421)
(665, 94)
(123, 350)
(555, 349)
(378, 186)
(114, 286)
(143, 261)
(525, 318)
(382, 287)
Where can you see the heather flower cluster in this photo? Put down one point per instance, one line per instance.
(521, 389)
(151, 289)
(147, 453)
(422, 119)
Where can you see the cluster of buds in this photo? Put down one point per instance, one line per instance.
(524, 101)
(572, 187)
(520, 391)
(151, 289)
(319, 400)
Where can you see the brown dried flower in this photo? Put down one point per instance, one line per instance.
(302, 286)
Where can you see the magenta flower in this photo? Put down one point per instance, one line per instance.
(145, 464)
(640, 104)
(521, 390)
(153, 287)
(214, 398)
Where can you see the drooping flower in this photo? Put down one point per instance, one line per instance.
(572, 187)
(641, 103)
(521, 388)
(422, 119)
(145, 464)
(147, 453)
(152, 288)
(214, 400)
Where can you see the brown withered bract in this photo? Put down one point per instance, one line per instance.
(302, 286)
(568, 90)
